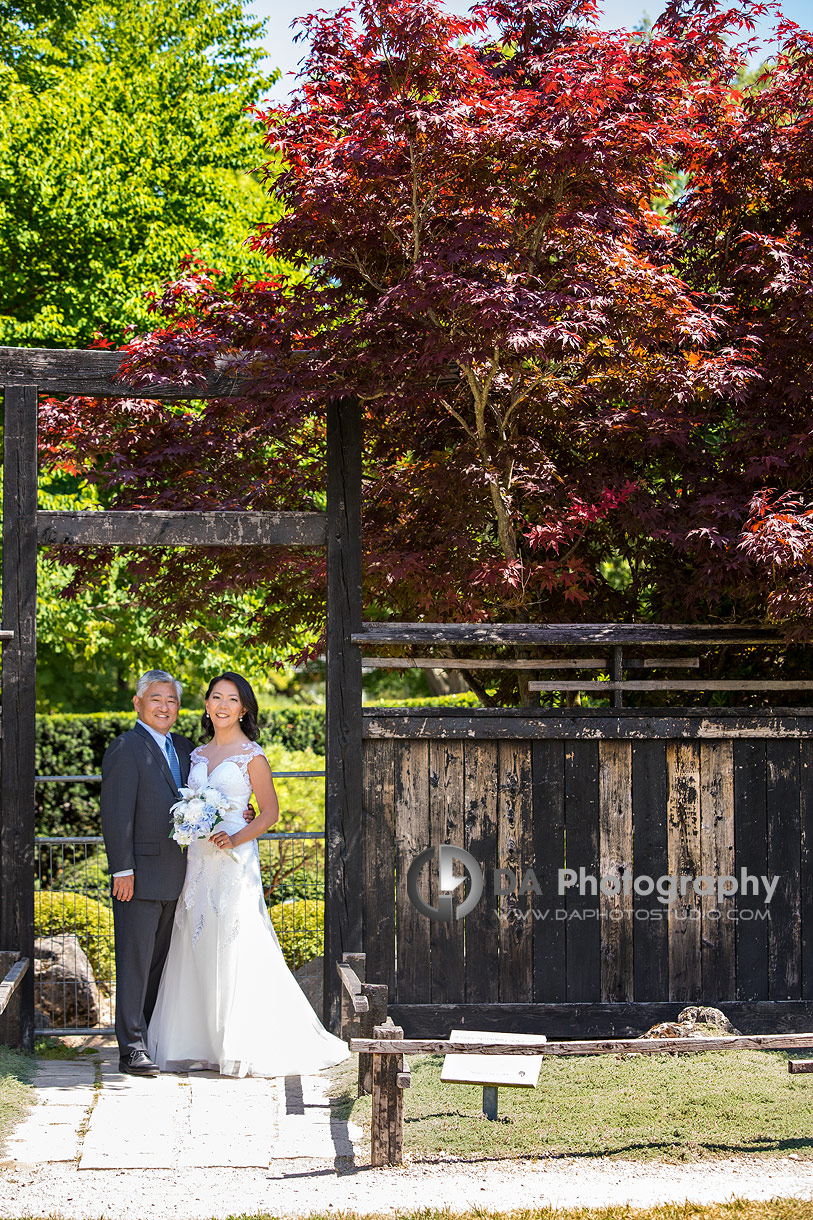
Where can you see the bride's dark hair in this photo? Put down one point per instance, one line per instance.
(249, 721)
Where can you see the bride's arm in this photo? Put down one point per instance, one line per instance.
(263, 784)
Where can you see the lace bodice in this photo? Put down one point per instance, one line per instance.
(230, 776)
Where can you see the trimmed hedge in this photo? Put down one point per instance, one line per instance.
(300, 927)
(56, 912)
(69, 744)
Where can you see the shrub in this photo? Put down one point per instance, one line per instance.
(56, 912)
(88, 876)
(70, 744)
(300, 926)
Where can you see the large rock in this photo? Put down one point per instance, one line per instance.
(65, 991)
(696, 1021)
(311, 979)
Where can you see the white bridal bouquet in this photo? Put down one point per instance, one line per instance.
(197, 813)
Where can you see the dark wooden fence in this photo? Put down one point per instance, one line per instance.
(691, 792)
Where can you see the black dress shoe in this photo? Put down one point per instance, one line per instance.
(137, 1063)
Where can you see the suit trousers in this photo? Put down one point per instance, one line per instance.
(143, 929)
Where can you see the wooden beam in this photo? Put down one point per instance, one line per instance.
(606, 1046)
(19, 684)
(652, 684)
(479, 663)
(149, 528)
(574, 724)
(585, 634)
(536, 663)
(12, 981)
(92, 373)
(579, 1019)
(6, 635)
(800, 1065)
(62, 371)
(344, 846)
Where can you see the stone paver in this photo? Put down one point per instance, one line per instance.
(64, 1095)
(174, 1121)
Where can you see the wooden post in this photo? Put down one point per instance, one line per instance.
(376, 994)
(618, 674)
(344, 847)
(387, 1128)
(19, 689)
(9, 1009)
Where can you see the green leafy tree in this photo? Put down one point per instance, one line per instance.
(124, 146)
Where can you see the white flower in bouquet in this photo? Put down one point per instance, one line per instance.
(197, 813)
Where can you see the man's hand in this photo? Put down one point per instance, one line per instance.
(248, 814)
(123, 888)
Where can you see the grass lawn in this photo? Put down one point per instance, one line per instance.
(739, 1209)
(16, 1094)
(677, 1107)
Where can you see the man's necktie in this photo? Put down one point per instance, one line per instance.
(172, 759)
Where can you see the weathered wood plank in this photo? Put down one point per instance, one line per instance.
(784, 864)
(607, 1046)
(718, 945)
(591, 1020)
(615, 862)
(11, 981)
(149, 528)
(411, 838)
(92, 373)
(344, 833)
(378, 815)
(663, 684)
(549, 954)
(481, 663)
(446, 826)
(649, 855)
(683, 853)
(581, 724)
(19, 657)
(583, 934)
(515, 851)
(750, 850)
(514, 663)
(561, 633)
(481, 791)
(806, 870)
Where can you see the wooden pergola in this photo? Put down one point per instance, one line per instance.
(24, 374)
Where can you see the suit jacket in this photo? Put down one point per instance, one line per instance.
(137, 792)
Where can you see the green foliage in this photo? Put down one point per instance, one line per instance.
(88, 876)
(56, 912)
(124, 146)
(299, 924)
(69, 744)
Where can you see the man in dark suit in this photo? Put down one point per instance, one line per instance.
(141, 774)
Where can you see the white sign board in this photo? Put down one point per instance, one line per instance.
(521, 1071)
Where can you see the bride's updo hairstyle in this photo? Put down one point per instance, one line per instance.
(249, 721)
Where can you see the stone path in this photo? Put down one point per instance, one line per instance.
(89, 1113)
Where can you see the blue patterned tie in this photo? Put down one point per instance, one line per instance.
(172, 759)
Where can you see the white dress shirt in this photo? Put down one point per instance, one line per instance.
(161, 739)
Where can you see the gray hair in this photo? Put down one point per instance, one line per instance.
(157, 675)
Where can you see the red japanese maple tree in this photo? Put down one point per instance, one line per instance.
(603, 239)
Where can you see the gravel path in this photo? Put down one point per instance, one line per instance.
(297, 1187)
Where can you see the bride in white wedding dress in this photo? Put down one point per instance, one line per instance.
(227, 1000)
